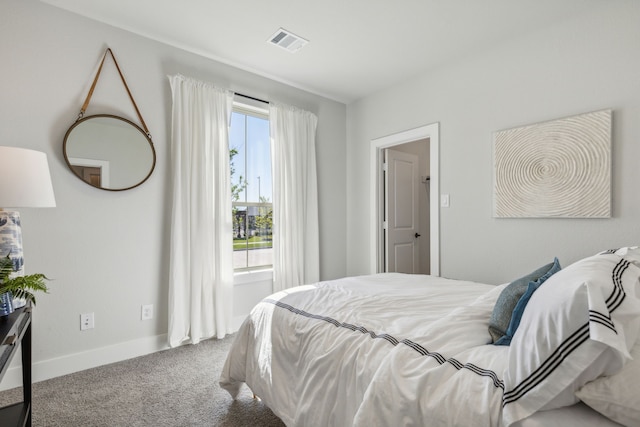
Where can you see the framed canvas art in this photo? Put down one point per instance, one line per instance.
(557, 169)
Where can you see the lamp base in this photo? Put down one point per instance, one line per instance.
(11, 244)
(11, 240)
(6, 304)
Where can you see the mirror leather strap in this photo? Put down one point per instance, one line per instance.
(95, 81)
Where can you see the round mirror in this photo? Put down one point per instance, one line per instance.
(109, 152)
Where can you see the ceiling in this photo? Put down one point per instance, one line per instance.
(356, 47)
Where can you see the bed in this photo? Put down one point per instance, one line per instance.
(409, 350)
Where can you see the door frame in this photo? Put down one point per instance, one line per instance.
(376, 208)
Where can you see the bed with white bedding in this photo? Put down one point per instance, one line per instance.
(399, 350)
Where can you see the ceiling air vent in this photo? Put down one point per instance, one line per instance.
(287, 40)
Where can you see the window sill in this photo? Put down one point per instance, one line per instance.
(248, 277)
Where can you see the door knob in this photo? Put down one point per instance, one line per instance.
(417, 235)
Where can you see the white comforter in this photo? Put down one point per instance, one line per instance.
(380, 350)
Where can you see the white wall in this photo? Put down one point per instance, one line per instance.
(108, 252)
(587, 63)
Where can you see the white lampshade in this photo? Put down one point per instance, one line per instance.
(25, 181)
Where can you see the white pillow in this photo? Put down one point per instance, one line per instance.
(578, 326)
(617, 396)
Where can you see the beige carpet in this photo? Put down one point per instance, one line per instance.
(177, 387)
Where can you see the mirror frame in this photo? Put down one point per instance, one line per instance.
(135, 126)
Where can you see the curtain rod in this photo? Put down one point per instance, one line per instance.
(251, 97)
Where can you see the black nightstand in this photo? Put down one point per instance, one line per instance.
(14, 329)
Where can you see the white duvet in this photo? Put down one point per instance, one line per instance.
(380, 350)
(404, 350)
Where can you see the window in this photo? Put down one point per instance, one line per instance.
(252, 211)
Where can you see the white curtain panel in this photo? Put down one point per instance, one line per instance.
(201, 264)
(295, 196)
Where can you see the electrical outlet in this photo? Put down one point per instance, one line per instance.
(444, 200)
(147, 312)
(87, 321)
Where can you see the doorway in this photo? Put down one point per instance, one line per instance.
(406, 208)
(429, 184)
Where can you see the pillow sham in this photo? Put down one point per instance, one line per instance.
(503, 311)
(616, 397)
(576, 328)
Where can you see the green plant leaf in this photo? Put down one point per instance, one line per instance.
(25, 286)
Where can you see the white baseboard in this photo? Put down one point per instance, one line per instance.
(70, 363)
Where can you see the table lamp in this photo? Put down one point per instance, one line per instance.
(25, 182)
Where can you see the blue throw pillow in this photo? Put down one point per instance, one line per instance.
(516, 315)
(508, 299)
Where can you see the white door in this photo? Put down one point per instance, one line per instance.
(402, 218)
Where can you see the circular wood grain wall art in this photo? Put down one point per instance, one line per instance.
(560, 168)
